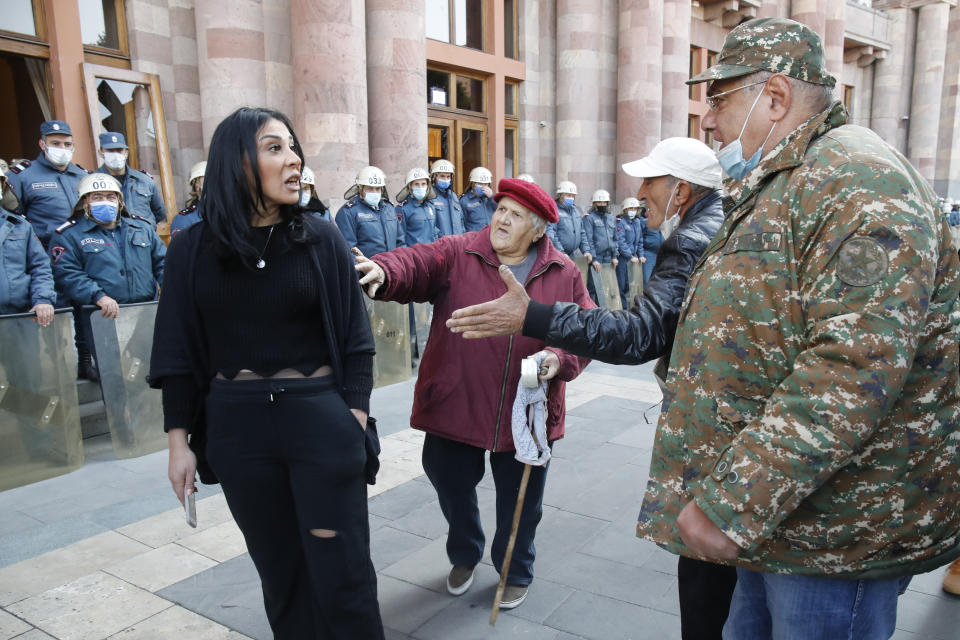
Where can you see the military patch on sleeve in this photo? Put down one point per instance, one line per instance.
(862, 262)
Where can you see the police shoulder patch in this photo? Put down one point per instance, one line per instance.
(66, 225)
(188, 210)
(17, 168)
(862, 261)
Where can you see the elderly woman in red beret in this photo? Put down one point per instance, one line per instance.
(466, 388)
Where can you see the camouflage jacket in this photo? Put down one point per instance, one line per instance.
(812, 406)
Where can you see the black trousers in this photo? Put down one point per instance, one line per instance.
(705, 592)
(290, 456)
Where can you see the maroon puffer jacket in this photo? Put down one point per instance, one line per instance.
(465, 388)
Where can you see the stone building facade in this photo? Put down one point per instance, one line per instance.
(560, 89)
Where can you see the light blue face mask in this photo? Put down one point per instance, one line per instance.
(478, 190)
(103, 212)
(568, 202)
(372, 199)
(304, 198)
(443, 184)
(419, 192)
(731, 156)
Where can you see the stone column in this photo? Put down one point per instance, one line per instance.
(676, 67)
(947, 181)
(330, 91)
(640, 85)
(890, 100)
(927, 87)
(396, 87)
(774, 9)
(230, 57)
(826, 17)
(278, 64)
(538, 50)
(579, 69)
(186, 140)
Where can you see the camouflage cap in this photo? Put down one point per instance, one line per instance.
(771, 44)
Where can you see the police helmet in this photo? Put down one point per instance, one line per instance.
(601, 195)
(526, 177)
(629, 203)
(307, 177)
(417, 173)
(197, 171)
(442, 166)
(94, 182)
(567, 187)
(481, 175)
(368, 177)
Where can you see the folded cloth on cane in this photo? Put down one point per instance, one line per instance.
(529, 419)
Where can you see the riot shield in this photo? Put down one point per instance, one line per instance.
(390, 324)
(423, 317)
(584, 267)
(134, 411)
(635, 273)
(40, 433)
(605, 284)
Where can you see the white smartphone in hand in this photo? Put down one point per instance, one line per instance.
(190, 509)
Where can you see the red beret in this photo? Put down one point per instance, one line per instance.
(529, 195)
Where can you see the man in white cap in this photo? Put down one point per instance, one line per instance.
(681, 187)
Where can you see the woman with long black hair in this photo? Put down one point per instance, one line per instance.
(263, 349)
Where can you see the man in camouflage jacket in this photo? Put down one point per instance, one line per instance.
(811, 421)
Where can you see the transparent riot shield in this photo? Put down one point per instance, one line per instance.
(423, 317)
(134, 411)
(40, 433)
(635, 273)
(605, 284)
(584, 267)
(390, 323)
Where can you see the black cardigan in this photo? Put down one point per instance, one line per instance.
(179, 345)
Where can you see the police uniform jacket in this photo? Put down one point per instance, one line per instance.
(185, 218)
(629, 237)
(652, 239)
(449, 214)
(372, 231)
(125, 263)
(601, 232)
(141, 195)
(419, 221)
(25, 275)
(477, 210)
(812, 409)
(47, 196)
(567, 233)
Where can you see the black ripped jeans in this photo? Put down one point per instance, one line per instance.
(290, 456)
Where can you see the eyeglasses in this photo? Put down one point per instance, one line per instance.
(712, 101)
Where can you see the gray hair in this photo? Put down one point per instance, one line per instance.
(539, 224)
(815, 97)
(697, 191)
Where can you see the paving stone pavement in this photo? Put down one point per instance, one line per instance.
(103, 552)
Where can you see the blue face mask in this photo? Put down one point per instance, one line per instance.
(568, 202)
(478, 190)
(419, 193)
(443, 184)
(372, 199)
(103, 212)
(731, 156)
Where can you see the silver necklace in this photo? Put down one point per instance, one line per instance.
(261, 263)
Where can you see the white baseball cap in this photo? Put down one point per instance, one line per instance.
(684, 158)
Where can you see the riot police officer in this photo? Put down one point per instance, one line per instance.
(567, 233)
(104, 256)
(47, 187)
(309, 200)
(414, 207)
(652, 239)
(446, 205)
(630, 243)
(190, 214)
(141, 196)
(477, 201)
(601, 231)
(367, 220)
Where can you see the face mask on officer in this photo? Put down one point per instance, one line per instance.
(103, 211)
(602, 208)
(568, 201)
(304, 197)
(670, 224)
(115, 160)
(419, 193)
(443, 184)
(58, 156)
(478, 189)
(372, 198)
(631, 213)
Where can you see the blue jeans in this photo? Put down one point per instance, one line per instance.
(455, 469)
(799, 607)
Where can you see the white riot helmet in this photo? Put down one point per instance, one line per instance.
(481, 175)
(198, 170)
(442, 166)
(567, 187)
(307, 177)
(416, 173)
(629, 203)
(368, 177)
(94, 182)
(526, 177)
(601, 195)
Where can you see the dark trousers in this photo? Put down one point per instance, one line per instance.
(623, 281)
(290, 456)
(705, 592)
(455, 469)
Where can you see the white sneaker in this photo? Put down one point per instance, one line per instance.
(460, 579)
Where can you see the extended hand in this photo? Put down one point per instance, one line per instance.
(616, 263)
(549, 366)
(44, 313)
(373, 275)
(702, 536)
(635, 260)
(181, 464)
(501, 317)
(596, 265)
(108, 307)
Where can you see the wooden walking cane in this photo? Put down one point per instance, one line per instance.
(513, 538)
